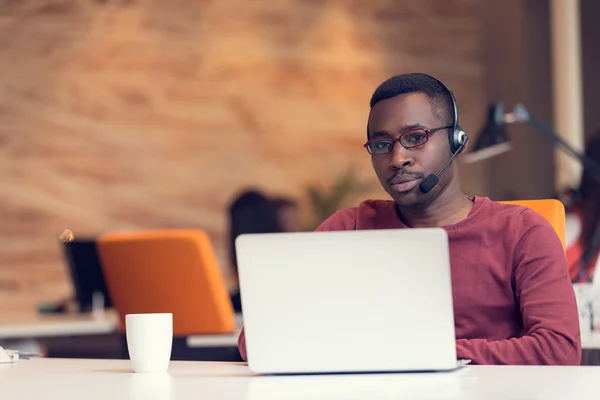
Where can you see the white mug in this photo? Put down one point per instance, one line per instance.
(149, 341)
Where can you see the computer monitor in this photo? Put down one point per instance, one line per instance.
(85, 269)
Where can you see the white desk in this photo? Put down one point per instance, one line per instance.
(39, 326)
(222, 340)
(112, 379)
(591, 340)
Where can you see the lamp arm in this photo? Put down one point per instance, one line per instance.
(522, 115)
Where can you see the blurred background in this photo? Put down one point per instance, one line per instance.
(120, 115)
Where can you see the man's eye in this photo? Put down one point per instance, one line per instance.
(383, 145)
(414, 138)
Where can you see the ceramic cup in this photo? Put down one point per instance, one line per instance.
(149, 341)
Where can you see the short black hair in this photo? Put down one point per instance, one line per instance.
(441, 98)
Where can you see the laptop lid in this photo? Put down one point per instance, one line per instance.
(86, 273)
(349, 301)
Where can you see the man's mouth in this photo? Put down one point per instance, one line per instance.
(404, 183)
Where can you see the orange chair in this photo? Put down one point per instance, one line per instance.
(173, 271)
(551, 209)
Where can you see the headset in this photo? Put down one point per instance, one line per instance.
(457, 137)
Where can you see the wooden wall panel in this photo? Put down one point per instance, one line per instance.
(152, 114)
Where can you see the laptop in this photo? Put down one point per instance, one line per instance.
(86, 273)
(347, 302)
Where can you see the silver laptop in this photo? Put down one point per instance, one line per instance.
(351, 301)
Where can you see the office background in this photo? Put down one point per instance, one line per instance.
(151, 114)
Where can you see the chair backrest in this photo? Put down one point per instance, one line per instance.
(172, 271)
(551, 209)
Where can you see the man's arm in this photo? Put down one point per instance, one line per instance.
(242, 345)
(547, 301)
(342, 220)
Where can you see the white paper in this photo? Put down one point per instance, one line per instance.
(8, 356)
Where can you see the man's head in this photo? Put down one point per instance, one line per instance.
(408, 132)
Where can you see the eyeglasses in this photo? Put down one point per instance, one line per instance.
(408, 140)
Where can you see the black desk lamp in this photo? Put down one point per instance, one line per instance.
(494, 140)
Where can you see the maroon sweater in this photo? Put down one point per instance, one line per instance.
(513, 299)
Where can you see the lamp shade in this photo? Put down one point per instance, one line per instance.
(493, 138)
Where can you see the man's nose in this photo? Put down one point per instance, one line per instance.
(401, 157)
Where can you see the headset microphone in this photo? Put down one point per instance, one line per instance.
(430, 181)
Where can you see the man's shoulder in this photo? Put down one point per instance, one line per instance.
(341, 220)
(518, 218)
(510, 211)
(349, 218)
(515, 210)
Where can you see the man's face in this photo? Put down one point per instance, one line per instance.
(402, 170)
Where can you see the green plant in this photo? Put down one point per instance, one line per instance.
(326, 201)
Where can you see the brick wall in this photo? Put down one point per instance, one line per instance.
(149, 114)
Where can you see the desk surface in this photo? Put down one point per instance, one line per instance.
(112, 379)
(591, 340)
(222, 340)
(39, 326)
(33, 326)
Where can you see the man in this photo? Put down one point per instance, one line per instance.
(513, 299)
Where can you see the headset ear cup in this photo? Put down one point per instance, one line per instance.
(460, 140)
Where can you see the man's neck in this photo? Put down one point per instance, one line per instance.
(449, 208)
